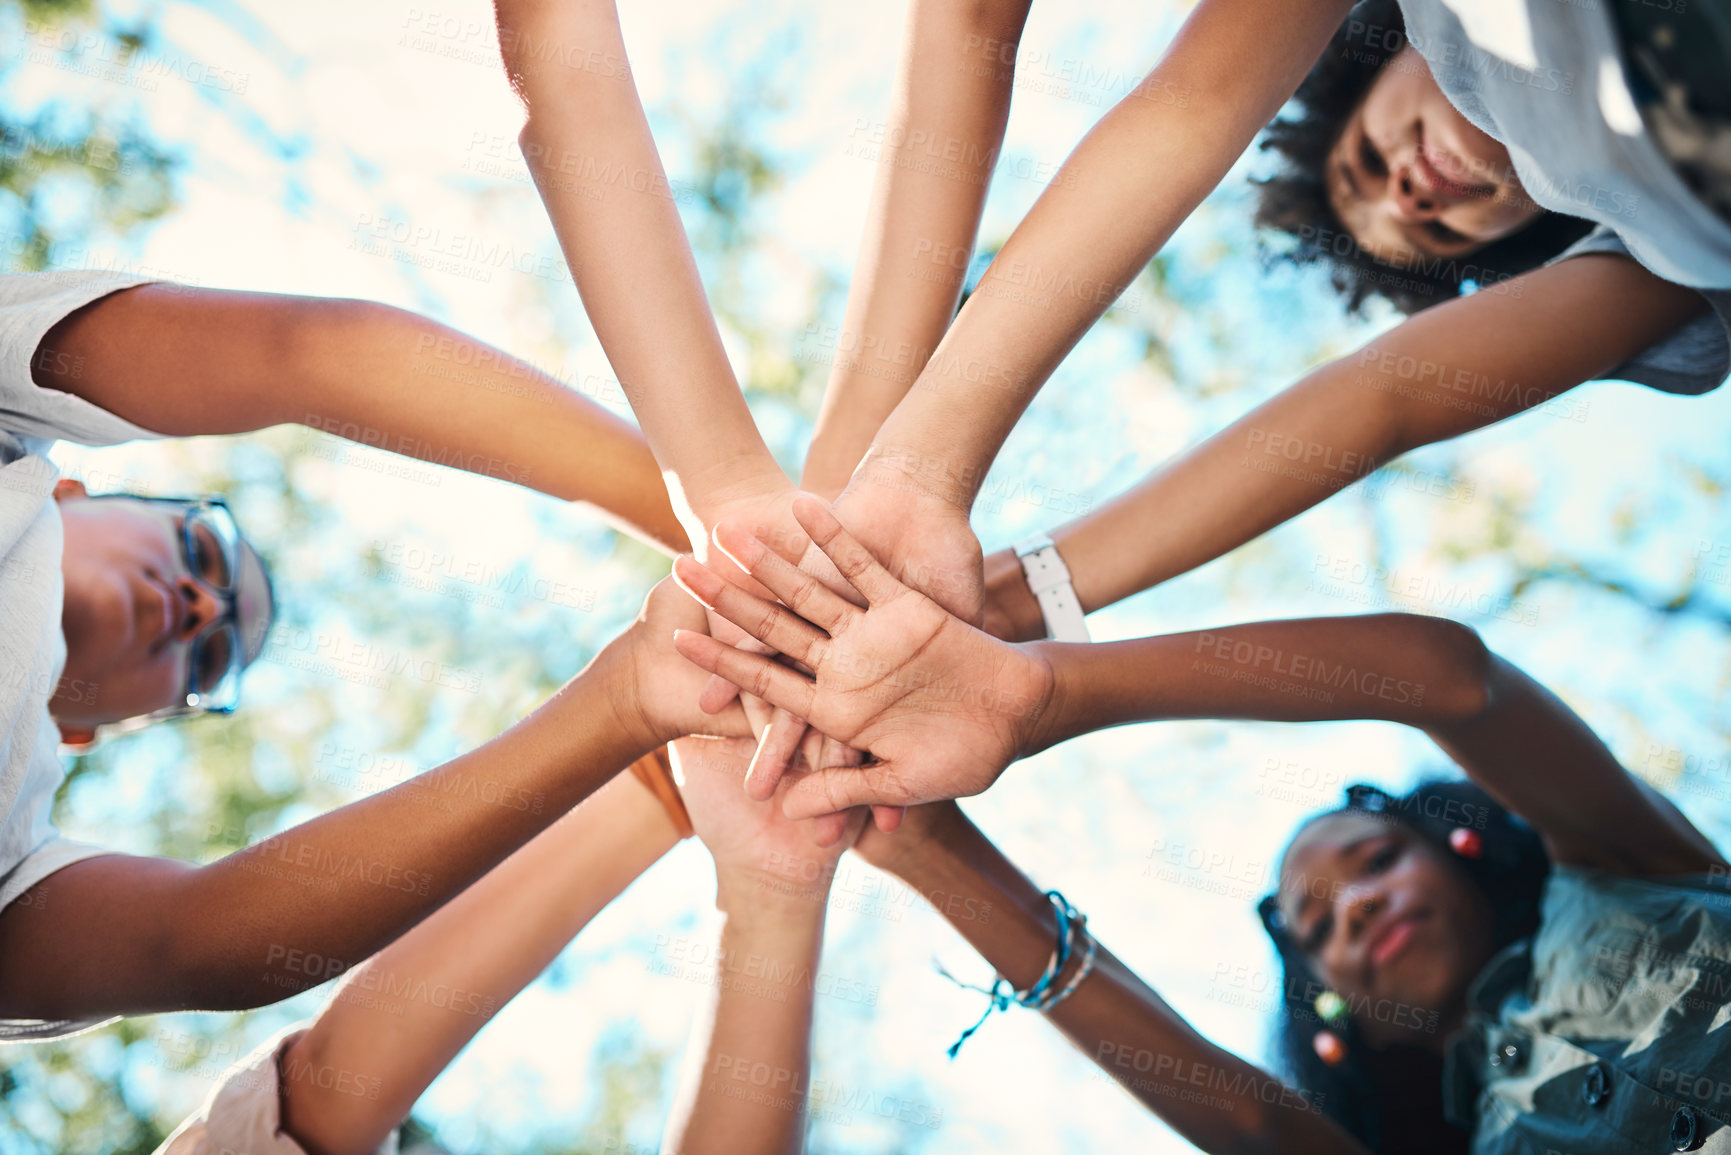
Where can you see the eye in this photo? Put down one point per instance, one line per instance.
(215, 655)
(1318, 934)
(207, 559)
(1369, 157)
(1385, 857)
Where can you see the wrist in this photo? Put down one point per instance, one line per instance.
(922, 476)
(762, 903)
(743, 477)
(1012, 610)
(1046, 724)
(619, 670)
(917, 845)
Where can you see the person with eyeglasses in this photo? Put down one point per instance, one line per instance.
(118, 610)
(166, 604)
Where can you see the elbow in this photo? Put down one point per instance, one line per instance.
(329, 349)
(1457, 667)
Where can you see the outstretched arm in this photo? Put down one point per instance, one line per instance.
(944, 708)
(1118, 198)
(939, 147)
(1449, 370)
(126, 935)
(488, 943)
(186, 362)
(749, 1069)
(1113, 1017)
(587, 143)
(588, 146)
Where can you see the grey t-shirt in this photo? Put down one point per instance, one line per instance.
(1695, 359)
(32, 647)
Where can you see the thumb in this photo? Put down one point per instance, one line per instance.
(844, 787)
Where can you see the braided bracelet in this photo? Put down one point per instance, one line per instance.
(1041, 996)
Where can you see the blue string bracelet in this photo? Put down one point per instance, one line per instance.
(1002, 994)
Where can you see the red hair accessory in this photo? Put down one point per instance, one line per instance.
(1466, 843)
(1329, 1048)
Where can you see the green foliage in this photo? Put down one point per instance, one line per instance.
(71, 174)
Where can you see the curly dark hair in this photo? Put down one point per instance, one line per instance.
(1392, 1102)
(1294, 201)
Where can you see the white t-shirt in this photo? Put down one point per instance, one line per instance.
(243, 1113)
(1546, 79)
(32, 646)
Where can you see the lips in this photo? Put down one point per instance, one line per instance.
(1390, 940)
(1442, 172)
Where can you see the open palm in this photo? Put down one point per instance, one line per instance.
(940, 706)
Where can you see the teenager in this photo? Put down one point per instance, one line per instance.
(127, 608)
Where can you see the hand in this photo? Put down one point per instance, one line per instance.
(654, 691)
(764, 503)
(942, 707)
(756, 848)
(924, 540)
(920, 536)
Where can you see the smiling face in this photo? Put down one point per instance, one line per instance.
(1388, 920)
(134, 606)
(1411, 178)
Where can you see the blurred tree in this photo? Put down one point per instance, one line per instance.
(71, 175)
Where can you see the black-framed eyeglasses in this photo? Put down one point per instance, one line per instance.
(210, 551)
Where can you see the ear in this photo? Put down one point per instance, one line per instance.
(77, 739)
(68, 488)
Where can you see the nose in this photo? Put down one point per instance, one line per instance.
(1409, 202)
(1362, 906)
(197, 607)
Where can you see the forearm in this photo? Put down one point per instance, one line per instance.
(134, 936)
(1113, 1017)
(588, 145)
(1453, 369)
(935, 155)
(1109, 209)
(1392, 667)
(189, 362)
(746, 1084)
(473, 955)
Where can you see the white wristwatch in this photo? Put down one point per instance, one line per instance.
(1049, 578)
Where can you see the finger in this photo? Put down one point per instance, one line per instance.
(798, 590)
(759, 712)
(775, 749)
(717, 693)
(854, 561)
(811, 748)
(772, 624)
(824, 791)
(827, 829)
(888, 817)
(753, 673)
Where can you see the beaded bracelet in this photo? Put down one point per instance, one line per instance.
(1002, 994)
